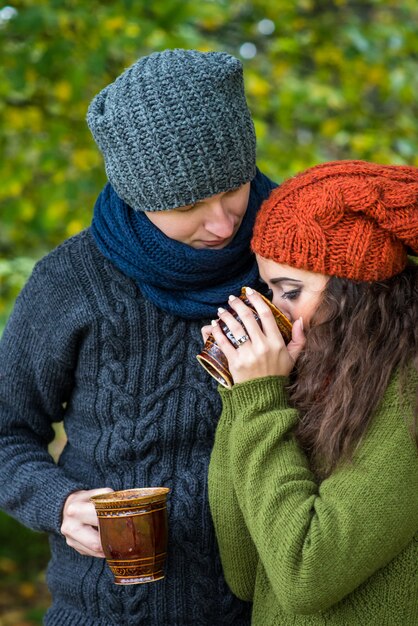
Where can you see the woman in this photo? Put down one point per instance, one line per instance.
(313, 479)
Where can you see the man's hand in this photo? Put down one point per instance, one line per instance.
(79, 522)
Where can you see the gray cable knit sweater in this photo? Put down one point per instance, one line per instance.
(84, 346)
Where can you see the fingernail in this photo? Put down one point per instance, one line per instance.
(231, 297)
(249, 291)
(214, 322)
(301, 323)
(221, 310)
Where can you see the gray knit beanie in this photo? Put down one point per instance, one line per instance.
(175, 128)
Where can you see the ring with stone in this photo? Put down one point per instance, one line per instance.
(242, 340)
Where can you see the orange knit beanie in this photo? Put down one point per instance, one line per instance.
(345, 218)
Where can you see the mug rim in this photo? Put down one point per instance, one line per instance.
(210, 365)
(130, 497)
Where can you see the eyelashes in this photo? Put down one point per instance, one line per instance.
(291, 295)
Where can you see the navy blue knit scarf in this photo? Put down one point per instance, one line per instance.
(177, 278)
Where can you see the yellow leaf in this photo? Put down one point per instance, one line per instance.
(74, 227)
(7, 566)
(329, 55)
(114, 23)
(34, 119)
(330, 127)
(84, 159)
(11, 188)
(376, 75)
(280, 69)
(360, 143)
(27, 590)
(203, 47)
(59, 177)
(64, 21)
(56, 211)
(63, 90)
(212, 22)
(257, 86)
(26, 210)
(132, 30)
(15, 119)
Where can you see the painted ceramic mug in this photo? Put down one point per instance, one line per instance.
(214, 360)
(133, 531)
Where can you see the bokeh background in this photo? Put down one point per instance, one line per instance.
(325, 80)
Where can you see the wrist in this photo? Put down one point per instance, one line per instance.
(252, 396)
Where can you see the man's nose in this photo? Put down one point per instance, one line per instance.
(219, 221)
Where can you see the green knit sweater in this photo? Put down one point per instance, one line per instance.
(343, 552)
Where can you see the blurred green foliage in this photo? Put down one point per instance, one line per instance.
(24, 597)
(329, 79)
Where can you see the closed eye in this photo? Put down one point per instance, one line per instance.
(291, 295)
(186, 209)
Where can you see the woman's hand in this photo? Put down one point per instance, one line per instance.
(206, 331)
(264, 353)
(79, 522)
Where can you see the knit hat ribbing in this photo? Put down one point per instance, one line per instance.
(351, 219)
(175, 128)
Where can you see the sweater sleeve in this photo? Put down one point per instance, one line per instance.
(35, 382)
(318, 543)
(232, 534)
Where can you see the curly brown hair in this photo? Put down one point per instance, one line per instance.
(360, 333)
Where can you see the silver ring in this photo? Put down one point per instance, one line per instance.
(242, 339)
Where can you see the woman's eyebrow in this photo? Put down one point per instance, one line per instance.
(284, 279)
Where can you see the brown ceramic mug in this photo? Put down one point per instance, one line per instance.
(133, 531)
(213, 359)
